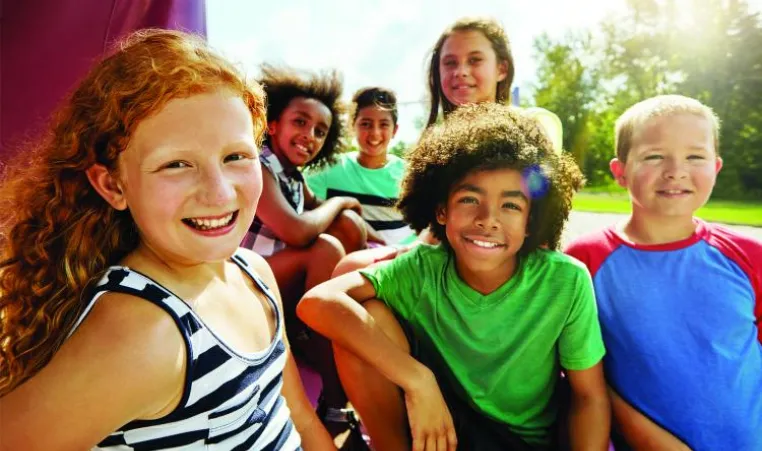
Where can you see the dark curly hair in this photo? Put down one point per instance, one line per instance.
(376, 96)
(495, 33)
(283, 84)
(485, 137)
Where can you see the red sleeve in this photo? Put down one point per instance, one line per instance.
(746, 252)
(593, 249)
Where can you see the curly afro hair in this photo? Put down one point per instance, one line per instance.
(283, 84)
(485, 137)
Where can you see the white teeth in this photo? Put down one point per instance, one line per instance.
(206, 224)
(485, 244)
(673, 191)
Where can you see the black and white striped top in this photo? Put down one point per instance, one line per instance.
(231, 401)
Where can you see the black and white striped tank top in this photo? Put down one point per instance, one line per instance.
(231, 401)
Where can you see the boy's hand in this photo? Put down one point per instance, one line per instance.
(430, 421)
(350, 203)
(373, 234)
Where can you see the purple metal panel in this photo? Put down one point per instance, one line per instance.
(47, 46)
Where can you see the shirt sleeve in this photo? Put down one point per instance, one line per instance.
(397, 282)
(581, 343)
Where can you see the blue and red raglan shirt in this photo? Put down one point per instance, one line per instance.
(680, 322)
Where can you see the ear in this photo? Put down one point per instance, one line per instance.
(502, 70)
(396, 127)
(617, 170)
(272, 127)
(717, 165)
(107, 186)
(441, 215)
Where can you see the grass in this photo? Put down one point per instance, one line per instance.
(727, 212)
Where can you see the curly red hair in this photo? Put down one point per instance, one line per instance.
(57, 235)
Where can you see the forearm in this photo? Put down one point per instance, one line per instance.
(317, 220)
(346, 323)
(639, 431)
(589, 422)
(313, 433)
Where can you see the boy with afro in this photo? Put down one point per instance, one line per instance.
(461, 344)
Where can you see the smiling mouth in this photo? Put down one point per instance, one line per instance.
(207, 224)
(484, 244)
(673, 192)
(302, 148)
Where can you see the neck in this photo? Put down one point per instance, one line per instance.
(485, 282)
(643, 229)
(371, 162)
(284, 161)
(173, 270)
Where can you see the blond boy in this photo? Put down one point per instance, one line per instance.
(678, 298)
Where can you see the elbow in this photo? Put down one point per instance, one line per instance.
(298, 235)
(307, 308)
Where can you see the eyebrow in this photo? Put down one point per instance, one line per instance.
(304, 114)
(476, 189)
(471, 53)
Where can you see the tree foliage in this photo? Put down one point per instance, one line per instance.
(707, 49)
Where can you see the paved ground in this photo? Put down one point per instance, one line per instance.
(582, 222)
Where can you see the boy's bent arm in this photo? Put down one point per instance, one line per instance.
(333, 310)
(639, 431)
(289, 226)
(590, 411)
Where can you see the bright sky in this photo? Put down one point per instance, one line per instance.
(383, 42)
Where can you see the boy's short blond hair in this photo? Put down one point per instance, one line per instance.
(631, 120)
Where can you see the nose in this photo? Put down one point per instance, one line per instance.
(674, 169)
(375, 132)
(216, 187)
(486, 217)
(461, 70)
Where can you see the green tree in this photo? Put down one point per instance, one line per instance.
(707, 49)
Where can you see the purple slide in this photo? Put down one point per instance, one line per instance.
(47, 46)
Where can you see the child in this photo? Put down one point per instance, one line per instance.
(371, 175)
(129, 317)
(476, 330)
(471, 62)
(678, 298)
(302, 237)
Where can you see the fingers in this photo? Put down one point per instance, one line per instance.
(443, 439)
(431, 443)
(452, 439)
(442, 443)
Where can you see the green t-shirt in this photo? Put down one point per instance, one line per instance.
(376, 189)
(504, 350)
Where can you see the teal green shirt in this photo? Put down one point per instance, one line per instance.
(504, 350)
(376, 190)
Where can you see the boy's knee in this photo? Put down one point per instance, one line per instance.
(349, 228)
(327, 249)
(364, 259)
